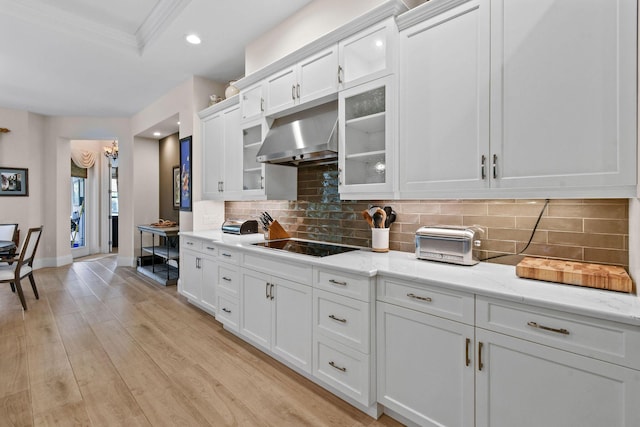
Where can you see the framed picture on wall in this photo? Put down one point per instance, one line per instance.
(185, 174)
(176, 187)
(14, 181)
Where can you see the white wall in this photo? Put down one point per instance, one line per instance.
(146, 174)
(22, 148)
(308, 24)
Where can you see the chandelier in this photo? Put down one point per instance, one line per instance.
(111, 152)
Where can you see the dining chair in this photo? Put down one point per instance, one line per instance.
(8, 233)
(22, 265)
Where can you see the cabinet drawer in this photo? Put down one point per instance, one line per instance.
(228, 279)
(351, 285)
(343, 319)
(343, 368)
(228, 255)
(191, 243)
(600, 339)
(458, 306)
(209, 249)
(228, 313)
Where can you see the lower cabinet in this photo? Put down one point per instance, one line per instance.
(514, 365)
(521, 383)
(199, 274)
(425, 367)
(276, 315)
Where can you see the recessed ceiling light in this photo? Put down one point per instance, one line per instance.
(379, 43)
(178, 123)
(157, 134)
(193, 39)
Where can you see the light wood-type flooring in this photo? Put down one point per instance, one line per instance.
(105, 346)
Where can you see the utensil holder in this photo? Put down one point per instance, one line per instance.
(380, 239)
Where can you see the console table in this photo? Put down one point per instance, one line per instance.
(162, 272)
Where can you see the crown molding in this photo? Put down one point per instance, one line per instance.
(425, 11)
(160, 17)
(51, 17)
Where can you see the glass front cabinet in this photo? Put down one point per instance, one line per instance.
(367, 129)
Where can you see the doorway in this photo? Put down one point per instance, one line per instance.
(78, 221)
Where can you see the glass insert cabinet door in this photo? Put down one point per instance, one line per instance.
(366, 126)
(252, 171)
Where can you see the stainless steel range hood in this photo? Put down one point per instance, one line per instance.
(309, 137)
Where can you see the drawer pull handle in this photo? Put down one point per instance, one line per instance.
(227, 255)
(547, 328)
(226, 310)
(467, 358)
(331, 316)
(337, 282)
(210, 248)
(190, 243)
(226, 279)
(414, 296)
(339, 368)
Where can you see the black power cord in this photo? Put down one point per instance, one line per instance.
(535, 227)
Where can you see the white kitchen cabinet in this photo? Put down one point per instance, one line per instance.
(228, 288)
(222, 155)
(444, 101)
(521, 383)
(261, 180)
(563, 93)
(366, 154)
(276, 315)
(555, 115)
(312, 79)
(199, 273)
(343, 334)
(368, 55)
(252, 102)
(425, 367)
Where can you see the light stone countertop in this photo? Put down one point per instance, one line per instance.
(486, 279)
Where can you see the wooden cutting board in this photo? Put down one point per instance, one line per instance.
(599, 276)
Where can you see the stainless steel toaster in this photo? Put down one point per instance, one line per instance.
(448, 243)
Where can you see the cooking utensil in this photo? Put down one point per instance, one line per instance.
(379, 218)
(367, 217)
(389, 211)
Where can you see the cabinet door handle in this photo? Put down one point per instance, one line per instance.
(547, 328)
(293, 92)
(226, 279)
(339, 368)
(339, 176)
(226, 255)
(331, 316)
(266, 290)
(480, 365)
(495, 166)
(483, 173)
(262, 104)
(298, 90)
(262, 182)
(466, 355)
(339, 74)
(337, 282)
(414, 296)
(226, 310)
(271, 292)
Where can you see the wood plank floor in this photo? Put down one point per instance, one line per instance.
(105, 346)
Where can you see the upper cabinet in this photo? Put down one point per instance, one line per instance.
(518, 98)
(563, 94)
(312, 79)
(230, 170)
(221, 154)
(366, 140)
(444, 101)
(252, 102)
(367, 55)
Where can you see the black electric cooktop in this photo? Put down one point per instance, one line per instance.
(306, 247)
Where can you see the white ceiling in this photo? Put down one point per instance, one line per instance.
(113, 58)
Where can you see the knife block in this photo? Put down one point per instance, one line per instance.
(277, 232)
